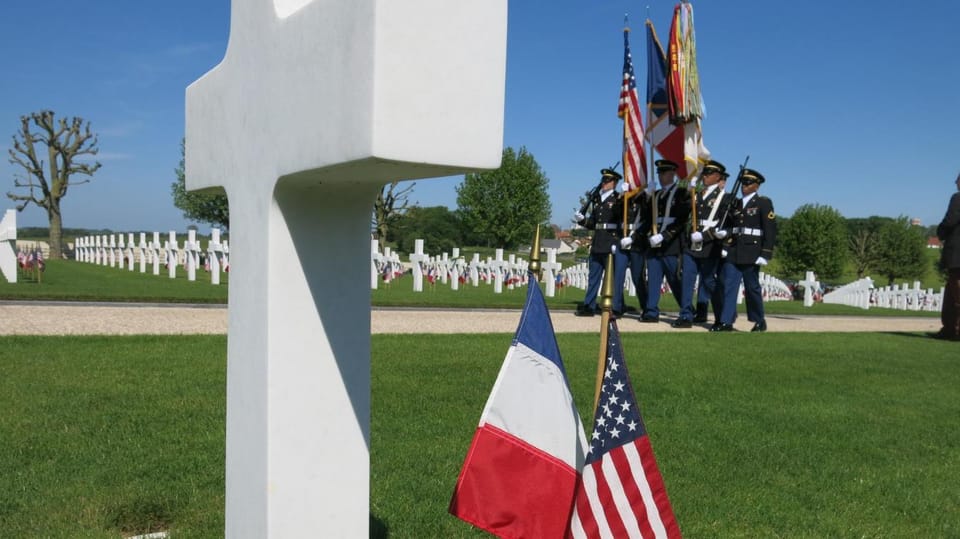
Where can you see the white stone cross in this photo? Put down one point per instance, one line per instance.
(809, 284)
(143, 252)
(191, 250)
(376, 263)
(551, 268)
(112, 247)
(214, 249)
(172, 255)
(417, 258)
(155, 253)
(8, 245)
(497, 267)
(315, 106)
(475, 270)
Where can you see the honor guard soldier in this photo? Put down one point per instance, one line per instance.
(703, 255)
(634, 242)
(604, 218)
(753, 234)
(671, 209)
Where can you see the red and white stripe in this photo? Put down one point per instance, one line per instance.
(623, 496)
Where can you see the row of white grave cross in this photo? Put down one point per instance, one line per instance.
(448, 270)
(510, 272)
(111, 250)
(862, 293)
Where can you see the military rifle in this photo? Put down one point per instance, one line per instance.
(725, 210)
(592, 194)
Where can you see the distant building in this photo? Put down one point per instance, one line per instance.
(933, 242)
(915, 221)
(561, 246)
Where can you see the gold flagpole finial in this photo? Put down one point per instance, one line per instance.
(535, 254)
(606, 296)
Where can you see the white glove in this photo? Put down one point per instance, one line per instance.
(761, 261)
(720, 234)
(626, 242)
(577, 217)
(625, 187)
(696, 237)
(613, 248)
(656, 240)
(723, 253)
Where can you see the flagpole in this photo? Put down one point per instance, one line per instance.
(606, 305)
(626, 149)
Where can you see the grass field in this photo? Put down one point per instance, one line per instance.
(774, 435)
(73, 281)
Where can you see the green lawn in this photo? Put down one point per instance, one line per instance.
(74, 281)
(773, 435)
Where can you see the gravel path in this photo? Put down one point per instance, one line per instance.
(34, 318)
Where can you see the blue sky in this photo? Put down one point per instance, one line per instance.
(850, 104)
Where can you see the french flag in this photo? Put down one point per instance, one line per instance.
(520, 473)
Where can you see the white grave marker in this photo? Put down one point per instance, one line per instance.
(172, 255)
(315, 106)
(8, 246)
(213, 255)
(417, 258)
(809, 284)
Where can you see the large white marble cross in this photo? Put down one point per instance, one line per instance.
(316, 104)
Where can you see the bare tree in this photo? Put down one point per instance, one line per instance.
(391, 203)
(62, 143)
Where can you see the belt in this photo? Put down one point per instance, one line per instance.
(606, 226)
(665, 220)
(748, 231)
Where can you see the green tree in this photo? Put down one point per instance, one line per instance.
(392, 202)
(49, 160)
(501, 208)
(864, 244)
(815, 238)
(437, 226)
(208, 206)
(902, 250)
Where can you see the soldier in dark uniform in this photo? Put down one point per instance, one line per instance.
(634, 242)
(753, 233)
(702, 257)
(666, 244)
(605, 216)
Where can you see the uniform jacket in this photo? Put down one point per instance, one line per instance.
(605, 219)
(638, 220)
(674, 228)
(752, 229)
(949, 233)
(712, 246)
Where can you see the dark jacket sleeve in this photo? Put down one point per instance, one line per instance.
(952, 218)
(768, 220)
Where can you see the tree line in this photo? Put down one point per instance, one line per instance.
(818, 238)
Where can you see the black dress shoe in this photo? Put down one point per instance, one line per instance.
(943, 336)
(759, 326)
(650, 319)
(682, 323)
(723, 327)
(700, 319)
(583, 311)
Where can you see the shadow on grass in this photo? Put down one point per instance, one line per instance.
(909, 334)
(378, 530)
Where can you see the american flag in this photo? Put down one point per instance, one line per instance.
(634, 159)
(621, 492)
